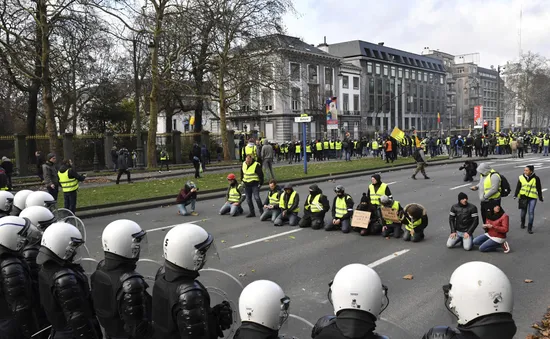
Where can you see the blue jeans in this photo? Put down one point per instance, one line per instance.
(545, 151)
(466, 243)
(270, 214)
(531, 203)
(233, 210)
(485, 243)
(183, 207)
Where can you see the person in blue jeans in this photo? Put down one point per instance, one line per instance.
(496, 228)
(528, 188)
(234, 197)
(463, 220)
(187, 199)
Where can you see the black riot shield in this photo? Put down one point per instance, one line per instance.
(222, 286)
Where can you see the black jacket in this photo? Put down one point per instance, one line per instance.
(72, 173)
(463, 218)
(348, 324)
(323, 201)
(258, 172)
(494, 326)
(537, 185)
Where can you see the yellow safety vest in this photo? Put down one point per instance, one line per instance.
(331, 145)
(325, 144)
(487, 185)
(165, 157)
(250, 172)
(355, 145)
(308, 149)
(250, 150)
(284, 206)
(412, 225)
(546, 142)
(338, 145)
(375, 195)
(319, 146)
(234, 195)
(298, 149)
(395, 206)
(375, 146)
(341, 206)
(314, 205)
(274, 197)
(68, 184)
(528, 188)
(448, 141)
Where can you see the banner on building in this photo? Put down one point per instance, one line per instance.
(332, 113)
(438, 118)
(478, 116)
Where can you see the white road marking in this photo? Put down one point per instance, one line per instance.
(391, 183)
(545, 189)
(171, 226)
(387, 258)
(266, 238)
(454, 188)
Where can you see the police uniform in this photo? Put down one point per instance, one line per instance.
(348, 324)
(181, 307)
(120, 298)
(66, 298)
(495, 326)
(250, 330)
(29, 254)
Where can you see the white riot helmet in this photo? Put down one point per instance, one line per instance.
(20, 198)
(477, 289)
(15, 232)
(39, 216)
(264, 302)
(61, 239)
(40, 198)
(358, 287)
(187, 245)
(6, 201)
(124, 238)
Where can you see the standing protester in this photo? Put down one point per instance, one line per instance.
(187, 197)
(342, 211)
(253, 178)
(267, 159)
(498, 224)
(164, 157)
(51, 181)
(68, 179)
(195, 157)
(234, 197)
(122, 164)
(7, 165)
(463, 220)
(315, 208)
(271, 202)
(489, 195)
(420, 159)
(39, 162)
(528, 188)
(114, 158)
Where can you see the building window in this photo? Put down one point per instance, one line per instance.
(313, 93)
(379, 86)
(385, 70)
(441, 80)
(393, 72)
(355, 82)
(371, 85)
(328, 76)
(345, 81)
(356, 103)
(295, 99)
(460, 70)
(400, 73)
(425, 77)
(377, 69)
(345, 104)
(294, 71)
(431, 78)
(406, 74)
(174, 125)
(312, 74)
(371, 103)
(413, 75)
(267, 99)
(421, 91)
(369, 67)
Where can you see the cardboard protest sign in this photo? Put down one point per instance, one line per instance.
(390, 214)
(360, 219)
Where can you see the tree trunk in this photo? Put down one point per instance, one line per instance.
(49, 108)
(153, 104)
(223, 121)
(32, 111)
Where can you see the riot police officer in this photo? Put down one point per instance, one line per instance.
(181, 304)
(480, 296)
(40, 198)
(357, 295)
(16, 300)
(120, 297)
(64, 290)
(263, 308)
(6, 203)
(19, 200)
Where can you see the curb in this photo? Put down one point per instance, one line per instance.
(136, 205)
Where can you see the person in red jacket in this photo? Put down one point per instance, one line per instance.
(186, 199)
(495, 231)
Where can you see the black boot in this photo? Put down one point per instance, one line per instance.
(530, 229)
(522, 223)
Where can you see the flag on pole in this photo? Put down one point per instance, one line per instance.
(418, 143)
(438, 118)
(398, 134)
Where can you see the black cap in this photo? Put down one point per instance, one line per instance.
(314, 188)
(461, 196)
(288, 187)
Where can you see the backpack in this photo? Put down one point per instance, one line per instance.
(505, 188)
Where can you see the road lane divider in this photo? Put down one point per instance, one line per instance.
(387, 258)
(172, 226)
(457, 187)
(266, 238)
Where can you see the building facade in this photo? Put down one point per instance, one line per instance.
(398, 88)
(490, 94)
(467, 93)
(310, 76)
(349, 101)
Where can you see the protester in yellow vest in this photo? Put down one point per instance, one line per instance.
(315, 207)
(234, 197)
(164, 157)
(342, 211)
(416, 221)
(392, 227)
(271, 202)
(489, 182)
(253, 178)
(289, 204)
(528, 189)
(68, 180)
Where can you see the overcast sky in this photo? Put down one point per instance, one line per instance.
(489, 27)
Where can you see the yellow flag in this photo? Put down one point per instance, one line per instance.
(417, 142)
(398, 134)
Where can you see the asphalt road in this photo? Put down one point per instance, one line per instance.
(304, 261)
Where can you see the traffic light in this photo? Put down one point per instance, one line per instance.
(485, 128)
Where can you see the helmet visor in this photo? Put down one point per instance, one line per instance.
(140, 244)
(285, 307)
(30, 234)
(206, 252)
(8, 205)
(51, 205)
(448, 299)
(72, 252)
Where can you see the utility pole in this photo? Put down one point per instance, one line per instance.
(498, 96)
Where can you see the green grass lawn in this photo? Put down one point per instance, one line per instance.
(211, 181)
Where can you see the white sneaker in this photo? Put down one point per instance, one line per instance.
(506, 247)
